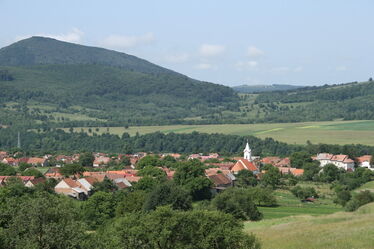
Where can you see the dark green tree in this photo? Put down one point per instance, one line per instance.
(237, 202)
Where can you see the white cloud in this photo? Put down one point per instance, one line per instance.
(254, 52)
(246, 65)
(204, 66)
(177, 58)
(211, 49)
(75, 35)
(341, 68)
(123, 41)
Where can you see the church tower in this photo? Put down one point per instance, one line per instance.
(247, 152)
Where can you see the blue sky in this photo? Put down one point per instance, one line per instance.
(308, 42)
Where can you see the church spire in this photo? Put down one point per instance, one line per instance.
(247, 152)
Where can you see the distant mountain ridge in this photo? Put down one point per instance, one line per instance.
(264, 88)
(41, 51)
(102, 84)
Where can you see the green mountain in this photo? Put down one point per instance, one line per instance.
(47, 80)
(350, 101)
(264, 88)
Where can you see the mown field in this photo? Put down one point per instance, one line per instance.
(322, 225)
(331, 132)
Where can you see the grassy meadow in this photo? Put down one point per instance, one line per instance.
(341, 230)
(330, 132)
(289, 205)
(319, 225)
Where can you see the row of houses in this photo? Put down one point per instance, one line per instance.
(343, 161)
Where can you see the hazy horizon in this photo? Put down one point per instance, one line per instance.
(241, 43)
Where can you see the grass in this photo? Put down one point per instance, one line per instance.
(367, 186)
(289, 205)
(330, 132)
(340, 230)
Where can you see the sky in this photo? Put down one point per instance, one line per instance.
(309, 42)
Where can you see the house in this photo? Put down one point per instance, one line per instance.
(364, 162)
(24, 179)
(223, 165)
(62, 159)
(37, 161)
(220, 182)
(276, 161)
(292, 171)
(133, 178)
(340, 161)
(101, 161)
(174, 155)
(33, 182)
(87, 184)
(10, 161)
(244, 164)
(53, 173)
(324, 158)
(343, 161)
(71, 188)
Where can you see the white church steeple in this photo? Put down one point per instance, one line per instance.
(247, 152)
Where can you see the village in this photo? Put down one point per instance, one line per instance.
(221, 171)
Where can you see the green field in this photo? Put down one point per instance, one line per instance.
(341, 230)
(330, 132)
(289, 205)
(321, 225)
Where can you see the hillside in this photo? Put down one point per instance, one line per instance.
(43, 79)
(335, 231)
(41, 51)
(351, 101)
(264, 88)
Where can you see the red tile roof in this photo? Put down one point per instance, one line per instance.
(366, 158)
(219, 179)
(244, 164)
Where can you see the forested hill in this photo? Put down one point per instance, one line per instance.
(41, 51)
(43, 79)
(345, 101)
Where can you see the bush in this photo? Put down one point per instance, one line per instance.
(237, 202)
(362, 198)
(303, 193)
(168, 194)
(167, 228)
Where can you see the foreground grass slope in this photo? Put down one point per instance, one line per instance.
(334, 132)
(340, 230)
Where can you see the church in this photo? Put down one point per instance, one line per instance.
(246, 162)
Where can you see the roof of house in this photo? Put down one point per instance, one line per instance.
(37, 180)
(342, 158)
(36, 160)
(71, 183)
(121, 185)
(244, 164)
(324, 156)
(365, 158)
(133, 178)
(283, 162)
(297, 172)
(219, 179)
(270, 160)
